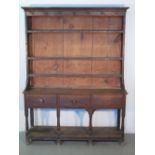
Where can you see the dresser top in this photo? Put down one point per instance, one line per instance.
(82, 7)
(65, 91)
(75, 11)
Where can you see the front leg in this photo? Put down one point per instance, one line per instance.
(32, 116)
(26, 119)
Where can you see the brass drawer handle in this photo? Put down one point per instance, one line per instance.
(41, 100)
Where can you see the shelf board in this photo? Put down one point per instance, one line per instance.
(66, 91)
(74, 30)
(74, 133)
(73, 75)
(75, 58)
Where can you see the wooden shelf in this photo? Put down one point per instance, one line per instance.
(72, 75)
(70, 133)
(66, 91)
(73, 30)
(75, 58)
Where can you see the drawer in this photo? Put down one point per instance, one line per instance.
(69, 101)
(107, 101)
(40, 101)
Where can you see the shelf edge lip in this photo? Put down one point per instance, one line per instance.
(75, 58)
(76, 30)
(72, 75)
(121, 90)
(73, 7)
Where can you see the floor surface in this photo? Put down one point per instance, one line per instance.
(78, 148)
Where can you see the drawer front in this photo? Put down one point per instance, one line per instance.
(107, 101)
(69, 101)
(40, 101)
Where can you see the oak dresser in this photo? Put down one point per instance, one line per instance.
(75, 60)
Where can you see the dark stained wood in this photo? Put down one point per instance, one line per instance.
(26, 119)
(41, 101)
(90, 112)
(123, 50)
(70, 101)
(65, 91)
(118, 118)
(108, 101)
(32, 116)
(100, 11)
(70, 133)
(75, 59)
(58, 112)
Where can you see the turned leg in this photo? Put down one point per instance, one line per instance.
(118, 118)
(28, 139)
(32, 116)
(58, 119)
(90, 125)
(58, 113)
(123, 117)
(90, 119)
(26, 119)
(122, 124)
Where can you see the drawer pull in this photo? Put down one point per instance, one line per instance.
(41, 100)
(74, 101)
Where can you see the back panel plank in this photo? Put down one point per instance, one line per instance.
(75, 82)
(73, 22)
(106, 44)
(77, 44)
(77, 66)
(106, 83)
(46, 82)
(47, 66)
(47, 44)
(44, 22)
(106, 67)
(108, 23)
(58, 82)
